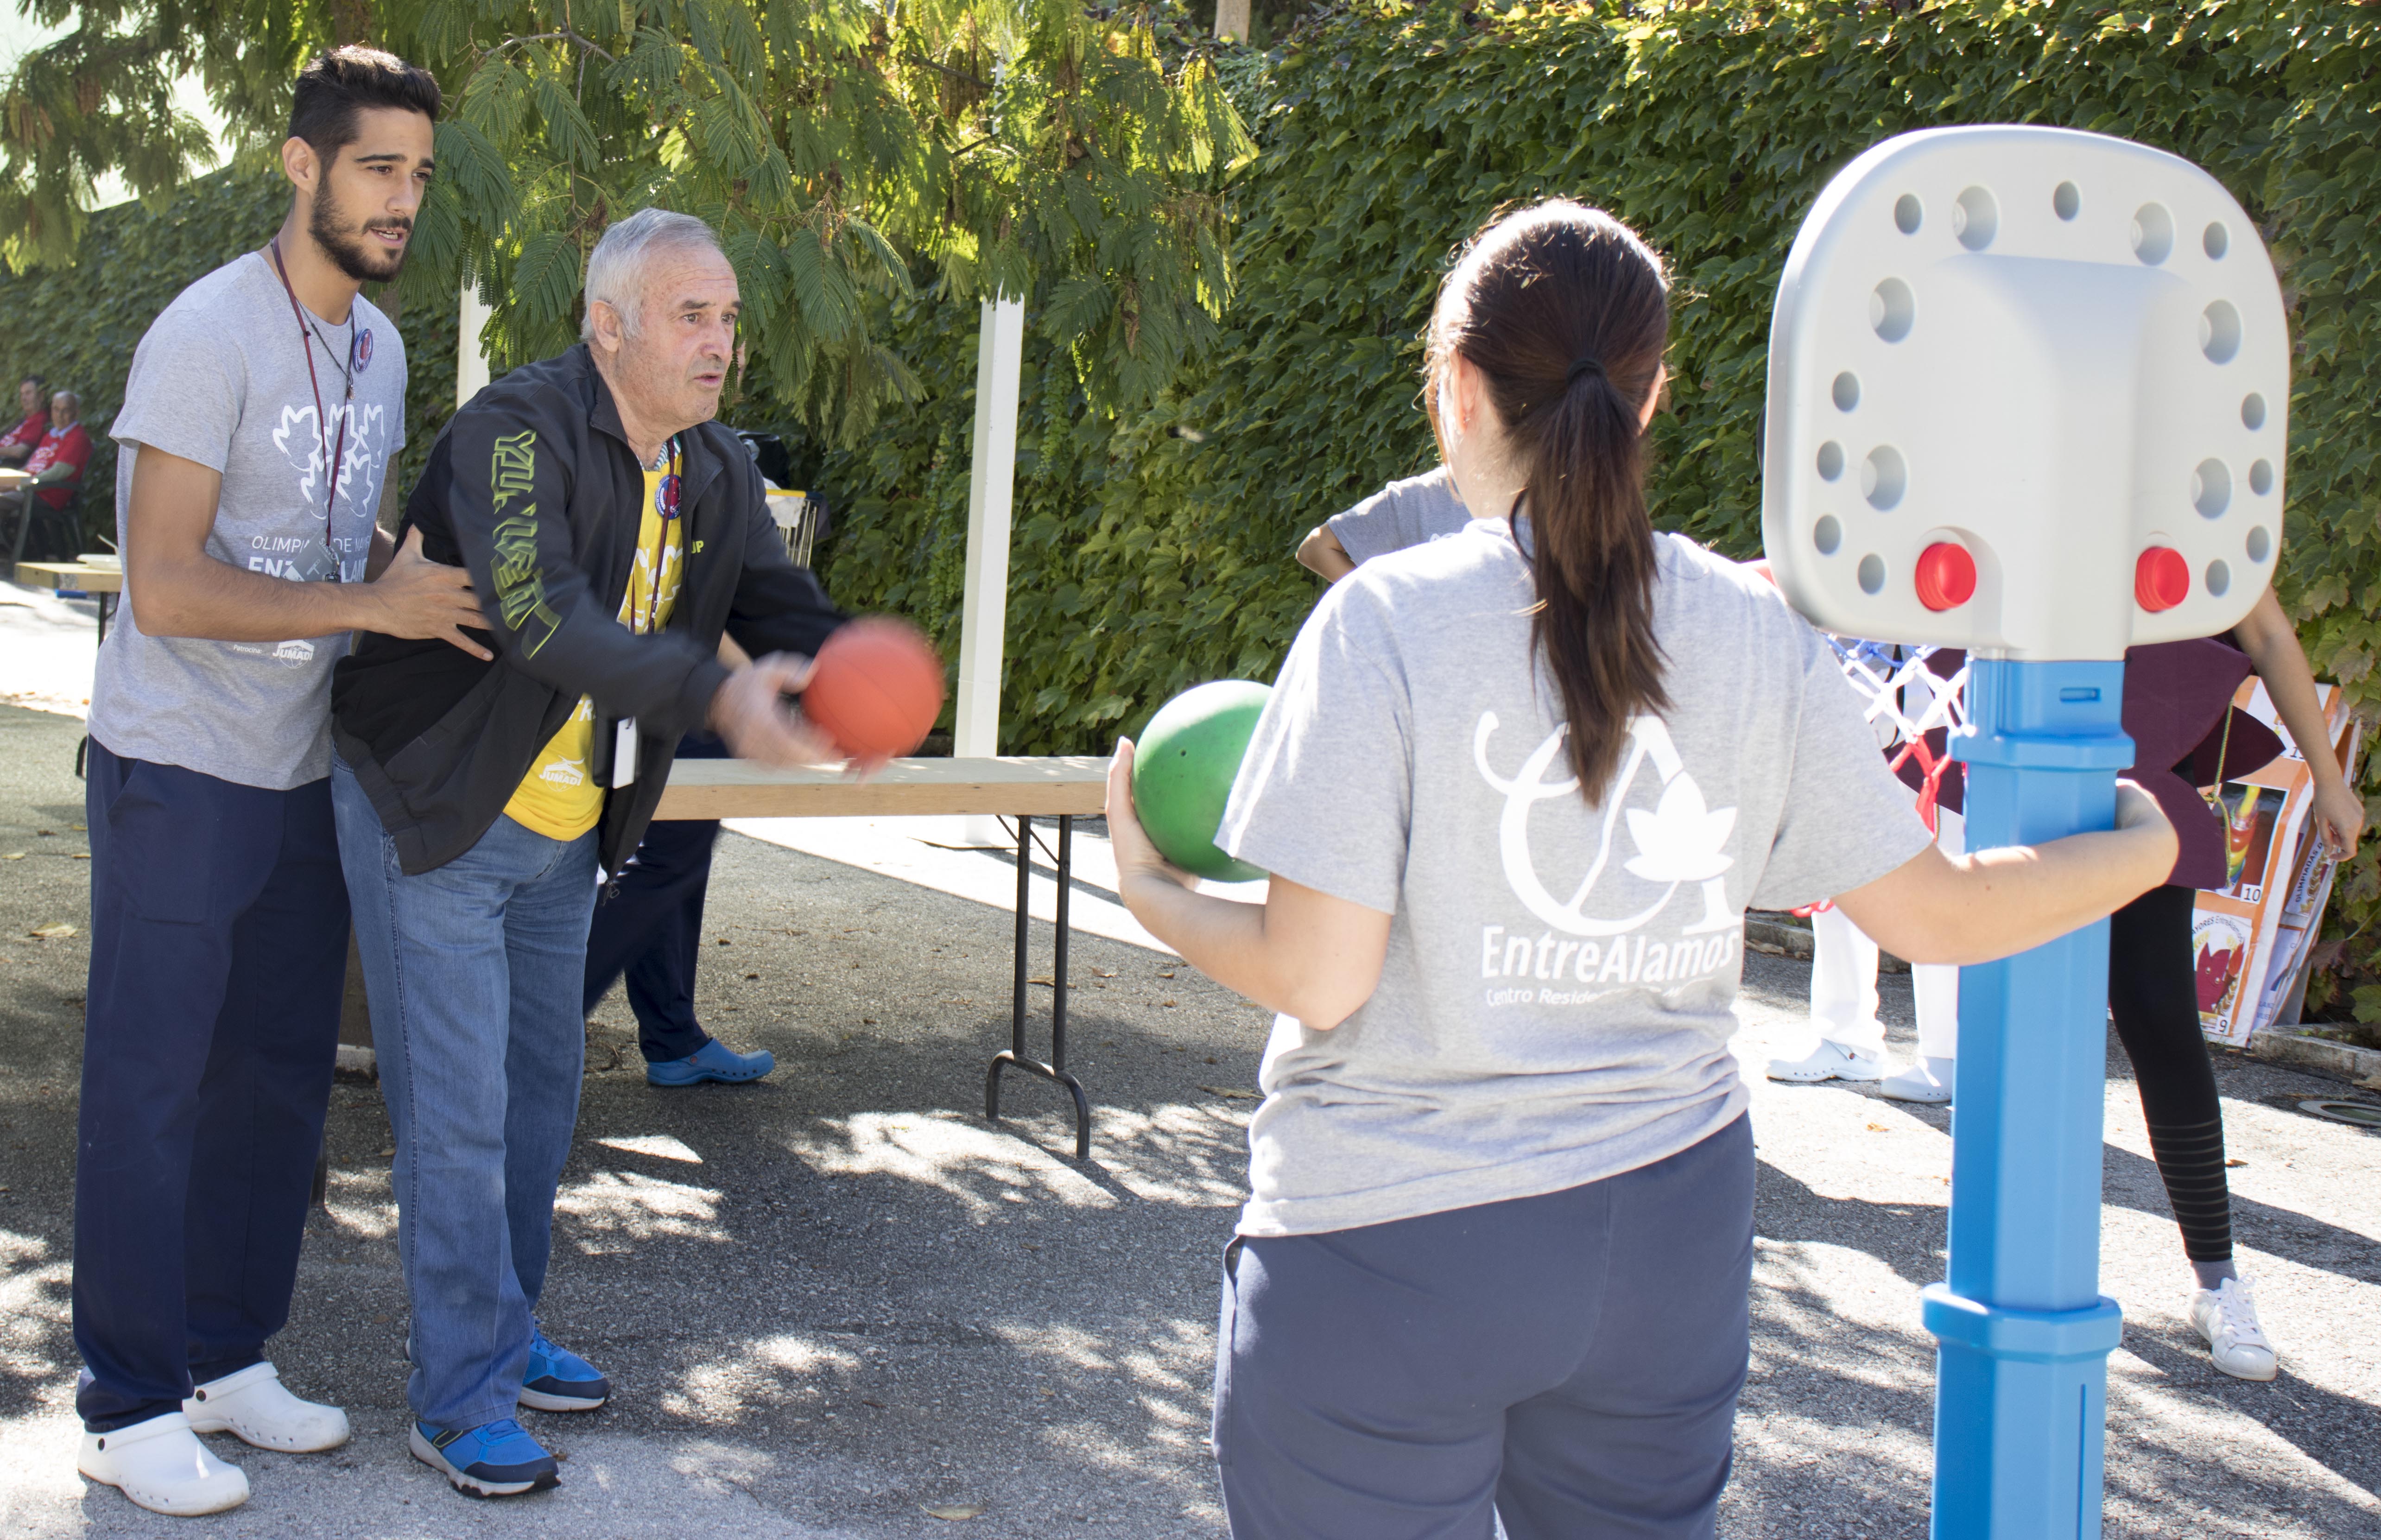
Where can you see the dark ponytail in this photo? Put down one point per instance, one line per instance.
(1565, 312)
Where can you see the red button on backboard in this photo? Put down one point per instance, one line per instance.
(2161, 579)
(1947, 576)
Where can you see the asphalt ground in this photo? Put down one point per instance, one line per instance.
(837, 1299)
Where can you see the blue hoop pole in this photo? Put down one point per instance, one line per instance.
(2023, 1332)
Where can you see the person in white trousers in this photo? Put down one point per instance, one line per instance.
(1843, 1006)
(1844, 960)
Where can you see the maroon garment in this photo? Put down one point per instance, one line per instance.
(2178, 702)
(2176, 699)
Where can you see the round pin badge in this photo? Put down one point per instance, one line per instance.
(364, 349)
(665, 497)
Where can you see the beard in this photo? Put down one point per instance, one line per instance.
(345, 247)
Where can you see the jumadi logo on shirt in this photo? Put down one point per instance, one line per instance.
(1681, 841)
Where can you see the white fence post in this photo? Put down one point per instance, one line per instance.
(470, 364)
(984, 615)
(985, 611)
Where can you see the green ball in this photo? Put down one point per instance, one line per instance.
(1183, 766)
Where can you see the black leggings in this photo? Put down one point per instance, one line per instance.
(2153, 994)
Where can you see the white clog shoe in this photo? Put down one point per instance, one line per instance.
(1830, 1061)
(254, 1405)
(161, 1465)
(1927, 1081)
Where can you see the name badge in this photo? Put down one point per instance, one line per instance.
(624, 752)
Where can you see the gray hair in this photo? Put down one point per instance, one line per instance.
(615, 269)
(73, 400)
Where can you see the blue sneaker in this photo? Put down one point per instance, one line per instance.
(560, 1380)
(494, 1460)
(713, 1061)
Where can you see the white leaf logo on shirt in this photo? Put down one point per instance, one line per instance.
(301, 443)
(1681, 841)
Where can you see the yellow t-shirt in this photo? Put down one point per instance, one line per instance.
(559, 798)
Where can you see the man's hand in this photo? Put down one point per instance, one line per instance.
(425, 601)
(750, 713)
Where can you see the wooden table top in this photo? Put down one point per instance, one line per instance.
(11, 478)
(734, 788)
(70, 574)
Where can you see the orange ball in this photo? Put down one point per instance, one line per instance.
(876, 687)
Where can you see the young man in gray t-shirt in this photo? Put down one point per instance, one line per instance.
(263, 413)
(1410, 512)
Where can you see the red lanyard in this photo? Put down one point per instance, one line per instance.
(323, 430)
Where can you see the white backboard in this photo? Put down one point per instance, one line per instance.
(2059, 356)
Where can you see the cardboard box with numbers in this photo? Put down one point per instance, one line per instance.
(2249, 939)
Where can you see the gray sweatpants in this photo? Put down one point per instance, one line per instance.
(1567, 1364)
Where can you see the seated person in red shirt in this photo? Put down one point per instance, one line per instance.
(57, 463)
(25, 437)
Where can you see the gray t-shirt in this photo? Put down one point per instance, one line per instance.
(1404, 513)
(1555, 1007)
(220, 378)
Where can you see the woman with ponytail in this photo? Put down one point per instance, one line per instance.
(1516, 788)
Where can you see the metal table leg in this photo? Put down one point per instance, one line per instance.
(1015, 1053)
(82, 744)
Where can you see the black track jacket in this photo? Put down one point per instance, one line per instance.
(533, 487)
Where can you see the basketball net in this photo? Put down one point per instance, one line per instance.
(1904, 702)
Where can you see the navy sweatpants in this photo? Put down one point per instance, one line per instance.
(1566, 1363)
(219, 951)
(649, 926)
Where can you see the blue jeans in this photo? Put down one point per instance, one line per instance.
(474, 972)
(1563, 1365)
(219, 945)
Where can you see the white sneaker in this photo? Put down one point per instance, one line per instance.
(2226, 1316)
(1926, 1079)
(256, 1406)
(1830, 1061)
(161, 1465)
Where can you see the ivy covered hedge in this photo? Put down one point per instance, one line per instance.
(77, 325)
(1154, 551)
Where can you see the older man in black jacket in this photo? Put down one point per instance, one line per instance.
(613, 532)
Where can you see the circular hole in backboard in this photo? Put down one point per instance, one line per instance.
(2252, 411)
(1975, 218)
(1827, 534)
(2211, 488)
(1872, 574)
(1908, 213)
(2065, 200)
(2219, 332)
(2261, 544)
(1845, 391)
(2219, 577)
(1892, 309)
(2216, 241)
(2153, 233)
(1831, 461)
(2261, 477)
(1884, 476)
